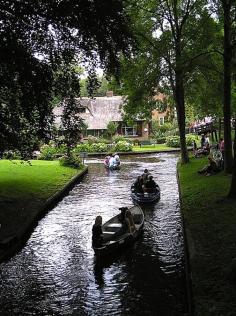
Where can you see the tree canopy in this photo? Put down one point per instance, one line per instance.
(38, 42)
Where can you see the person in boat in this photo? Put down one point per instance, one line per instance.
(117, 158)
(112, 162)
(126, 219)
(145, 175)
(138, 185)
(97, 238)
(106, 160)
(130, 222)
(150, 185)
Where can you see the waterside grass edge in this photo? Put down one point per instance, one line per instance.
(21, 207)
(210, 226)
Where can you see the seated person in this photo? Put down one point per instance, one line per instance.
(138, 185)
(112, 162)
(106, 160)
(122, 214)
(150, 185)
(203, 151)
(130, 222)
(211, 168)
(145, 175)
(127, 221)
(117, 158)
(97, 238)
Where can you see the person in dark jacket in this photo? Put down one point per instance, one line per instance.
(97, 238)
(138, 185)
(150, 185)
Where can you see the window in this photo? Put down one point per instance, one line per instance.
(129, 130)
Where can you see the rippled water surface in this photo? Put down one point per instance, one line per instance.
(56, 273)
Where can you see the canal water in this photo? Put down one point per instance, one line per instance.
(56, 273)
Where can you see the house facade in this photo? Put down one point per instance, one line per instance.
(99, 111)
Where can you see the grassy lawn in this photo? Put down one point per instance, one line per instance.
(24, 189)
(157, 147)
(42, 179)
(210, 221)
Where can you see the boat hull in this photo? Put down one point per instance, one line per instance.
(145, 198)
(116, 244)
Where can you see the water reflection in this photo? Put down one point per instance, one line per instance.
(57, 273)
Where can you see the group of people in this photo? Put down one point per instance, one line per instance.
(215, 159)
(144, 183)
(204, 150)
(112, 161)
(125, 218)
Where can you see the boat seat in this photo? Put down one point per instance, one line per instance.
(113, 227)
(119, 225)
(108, 233)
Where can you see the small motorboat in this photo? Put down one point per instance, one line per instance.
(115, 242)
(145, 197)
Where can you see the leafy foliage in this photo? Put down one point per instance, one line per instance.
(39, 41)
(71, 161)
(174, 141)
(112, 128)
(122, 146)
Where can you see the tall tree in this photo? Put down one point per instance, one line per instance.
(36, 38)
(174, 37)
(227, 18)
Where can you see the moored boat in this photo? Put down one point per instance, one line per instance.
(114, 242)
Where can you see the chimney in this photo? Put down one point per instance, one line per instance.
(109, 94)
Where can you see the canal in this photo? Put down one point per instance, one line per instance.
(56, 273)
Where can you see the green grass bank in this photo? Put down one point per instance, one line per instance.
(210, 225)
(156, 147)
(24, 190)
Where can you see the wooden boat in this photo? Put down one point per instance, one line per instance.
(151, 197)
(113, 242)
(115, 167)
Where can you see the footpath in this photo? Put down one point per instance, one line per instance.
(210, 229)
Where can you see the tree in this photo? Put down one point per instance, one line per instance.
(174, 38)
(39, 38)
(227, 18)
(112, 128)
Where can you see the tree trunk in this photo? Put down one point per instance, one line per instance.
(219, 128)
(232, 191)
(228, 158)
(180, 108)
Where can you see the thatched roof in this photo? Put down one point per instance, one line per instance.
(98, 111)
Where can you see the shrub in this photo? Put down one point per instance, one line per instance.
(11, 155)
(174, 141)
(82, 147)
(99, 147)
(70, 161)
(92, 139)
(118, 138)
(122, 146)
(160, 140)
(48, 152)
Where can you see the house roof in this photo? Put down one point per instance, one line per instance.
(99, 111)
